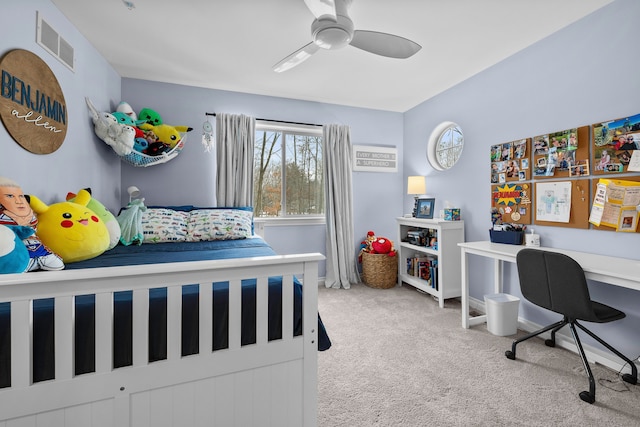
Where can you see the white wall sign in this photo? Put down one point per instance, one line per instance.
(369, 158)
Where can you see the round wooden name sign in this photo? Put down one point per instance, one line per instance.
(32, 105)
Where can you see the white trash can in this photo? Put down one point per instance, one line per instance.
(502, 314)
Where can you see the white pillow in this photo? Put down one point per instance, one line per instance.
(164, 225)
(218, 224)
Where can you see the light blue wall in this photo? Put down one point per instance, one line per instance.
(82, 160)
(189, 178)
(581, 75)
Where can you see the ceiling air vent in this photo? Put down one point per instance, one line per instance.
(51, 41)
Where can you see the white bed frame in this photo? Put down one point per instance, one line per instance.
(270, 383)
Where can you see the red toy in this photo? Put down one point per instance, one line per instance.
(382, 245)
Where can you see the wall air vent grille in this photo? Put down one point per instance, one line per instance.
(53, 43)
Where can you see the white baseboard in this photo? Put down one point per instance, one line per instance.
(596, 355)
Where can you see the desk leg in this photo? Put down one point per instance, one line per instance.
(464, 272)
(465, 289)
(497, 276)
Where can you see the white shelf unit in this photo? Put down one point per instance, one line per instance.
(447, 252)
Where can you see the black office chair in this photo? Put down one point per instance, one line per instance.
(557, 282)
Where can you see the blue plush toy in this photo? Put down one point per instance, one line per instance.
(14, 257)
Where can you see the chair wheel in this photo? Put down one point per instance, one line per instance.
(584, 395)
(510, 355)
(550, 343)
(630, 379)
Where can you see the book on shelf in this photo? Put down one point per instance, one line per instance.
(424, 268)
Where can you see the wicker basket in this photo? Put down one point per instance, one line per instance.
(379, 270)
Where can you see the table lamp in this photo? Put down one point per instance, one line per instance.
(133, 192)
(416, 186)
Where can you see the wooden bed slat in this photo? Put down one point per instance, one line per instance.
(64, 326)
(104, 332)
(235, 314)
(262, 304)
(287, 307)
(174, 322)
(206, 318)
(21, 353)
(140, 331)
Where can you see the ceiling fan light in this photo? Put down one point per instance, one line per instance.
(332, 38)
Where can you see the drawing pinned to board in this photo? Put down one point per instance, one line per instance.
(553, 201)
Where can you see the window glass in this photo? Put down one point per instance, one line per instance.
(288, 178)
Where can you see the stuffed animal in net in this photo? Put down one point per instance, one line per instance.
(124, 107)
(14, 257)
(167, 134)
(118, 136)
(105, 215)
(71, 229)
(150, 116)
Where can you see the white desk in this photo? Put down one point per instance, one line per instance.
(616, 271)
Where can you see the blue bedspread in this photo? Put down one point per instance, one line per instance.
(177, 252)
(43, 338)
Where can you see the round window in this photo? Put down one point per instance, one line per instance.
(445, 145)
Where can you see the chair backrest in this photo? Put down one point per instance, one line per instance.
(556, 282)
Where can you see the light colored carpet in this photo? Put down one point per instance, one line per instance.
(399, 360)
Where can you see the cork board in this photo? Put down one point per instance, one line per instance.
(613, 143)
(32, 106)
(594, 182)
(580, 203)
(513, 201)
(561, 154)
(510, 161)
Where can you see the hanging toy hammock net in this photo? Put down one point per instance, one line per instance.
(138, 159)
(121, 138)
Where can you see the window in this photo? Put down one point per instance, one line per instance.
(288, 176)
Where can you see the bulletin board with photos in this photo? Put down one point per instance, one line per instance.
(561, 154)
(549, 179)
(510, 161)
(614, 142)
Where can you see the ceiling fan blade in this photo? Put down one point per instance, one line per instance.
(296, 58)
(384, 44)
(322, 8)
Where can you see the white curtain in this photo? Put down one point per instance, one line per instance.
(338, 167)
(235, 136)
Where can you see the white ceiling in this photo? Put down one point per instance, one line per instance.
(232, 45)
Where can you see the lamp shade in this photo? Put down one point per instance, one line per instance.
(133, 191)
(416, 185)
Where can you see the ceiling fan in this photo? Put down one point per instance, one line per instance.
(333, 29)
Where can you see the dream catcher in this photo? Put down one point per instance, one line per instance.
(207, 136)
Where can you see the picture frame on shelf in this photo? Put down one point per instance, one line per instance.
(425, 208)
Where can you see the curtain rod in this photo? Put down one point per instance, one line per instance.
(274, 121)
